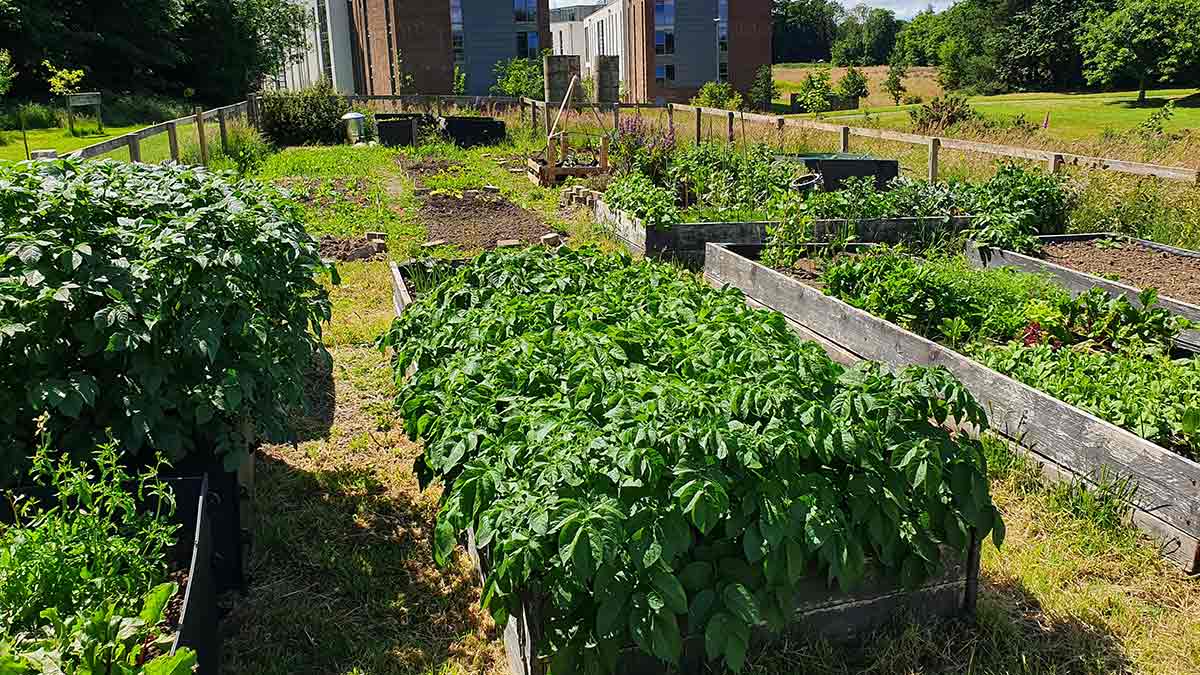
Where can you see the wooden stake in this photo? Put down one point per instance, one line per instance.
(224, 130)
(135, 148)
(699, 125)
(203, 137)
(935, 146)
(845, 139)
(173, 141)
(729, 130)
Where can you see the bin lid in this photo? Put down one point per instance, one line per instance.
(353, 116)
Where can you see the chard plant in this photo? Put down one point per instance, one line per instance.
(646, 459)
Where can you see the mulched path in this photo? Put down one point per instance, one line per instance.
(1174, 276)
(326, 192)
(349, 250)
(478, 220)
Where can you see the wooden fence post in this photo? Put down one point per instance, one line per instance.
(135, 148)
(533, 116)
(224, 130)
(617, 115)
(252, 109)
(845, 144)
(1056, 163)
(203, 138)
(729, 130)
(699, 125)
(173, 141)
(521, 103)
(935, 146)
(549, 122)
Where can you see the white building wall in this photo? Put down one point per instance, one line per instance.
(328, 53)
(601, 33)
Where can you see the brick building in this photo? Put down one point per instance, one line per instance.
(425, 39)
(670, 48)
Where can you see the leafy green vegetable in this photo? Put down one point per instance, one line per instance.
(655, 459)
(165, 303)
(1105, 355)
(637, 195)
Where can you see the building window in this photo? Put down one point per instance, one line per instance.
(525, 11)
(664, 75)
(527, 45)
(664, 13)
(664, 42)
(457, 34)
(600, 38)
(323, 36)
(723, 72)
(723, 25)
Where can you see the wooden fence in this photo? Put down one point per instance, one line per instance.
(1054, 161)
(133, 140)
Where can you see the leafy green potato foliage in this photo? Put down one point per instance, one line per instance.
(165, 303)
(650, 459)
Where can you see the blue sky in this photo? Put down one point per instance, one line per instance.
(903, 8)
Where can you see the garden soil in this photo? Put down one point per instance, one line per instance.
(349, 250)
(1174, 276)
(478, 221)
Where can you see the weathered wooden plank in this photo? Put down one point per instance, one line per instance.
(1081, 282)
(887, 135)
(1168, 499)
(101, 147)
(1134, 168)
(994, 149)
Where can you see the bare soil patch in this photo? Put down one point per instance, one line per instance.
(477, 221)
(424, 168)
(348, 250)
(1173, 275)
(328, 192)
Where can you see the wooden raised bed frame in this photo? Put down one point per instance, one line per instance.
(684, 243)
(1080, 282)
(1068, 441)
(820, 611)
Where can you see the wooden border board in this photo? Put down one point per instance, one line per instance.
(1080, 282)
(820, 610)
(1070, 441)
(684, 243)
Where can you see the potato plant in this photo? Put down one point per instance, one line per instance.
(650, 459)
(165, 303)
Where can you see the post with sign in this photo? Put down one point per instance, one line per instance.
(85, 100)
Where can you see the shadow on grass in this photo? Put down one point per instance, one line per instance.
(1155, 102)
(344, 581)
(320, 400)
(1011, 633)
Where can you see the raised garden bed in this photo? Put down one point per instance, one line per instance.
(819, 610)
(685, 243)
(1067, 440)
(1077, 260)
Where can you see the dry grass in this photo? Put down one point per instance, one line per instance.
(920, 81)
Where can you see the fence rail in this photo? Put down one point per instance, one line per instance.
(133, 140)
(1054, 160)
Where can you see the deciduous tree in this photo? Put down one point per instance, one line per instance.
(1145, 40)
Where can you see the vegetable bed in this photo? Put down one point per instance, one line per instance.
(1070, 440)
(648, 472)
(1140, 258)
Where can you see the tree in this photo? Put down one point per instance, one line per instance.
(816, 92)
(853, 84)
(1144, 40)
(894, 84)
(7, 73)
(518, 77)
(805, 29)
(1038, 47)
(764, 90)
(879, 36)
(918, 41)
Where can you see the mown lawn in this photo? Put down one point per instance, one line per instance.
(1073, 117)
(56, 139)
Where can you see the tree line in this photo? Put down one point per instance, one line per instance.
(993, 46)
(213, 50)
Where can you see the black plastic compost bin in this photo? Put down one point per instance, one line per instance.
(468, 132)
(397, 133)
(836, 167)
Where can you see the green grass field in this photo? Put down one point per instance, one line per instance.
(1073, 117)
(55, 139)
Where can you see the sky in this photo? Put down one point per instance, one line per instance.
(904, 9)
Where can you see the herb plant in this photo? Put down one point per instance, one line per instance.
(645, 458)
(83, 570)
(165, 303)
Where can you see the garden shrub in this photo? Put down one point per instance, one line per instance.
(248, 149)
(309, 116)
(763, 91)
(518, 77)
(853, 84)
(941, 113)
(656, 461)
(166, 303)
(37, 116)
(718, 95)
(639, 147)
